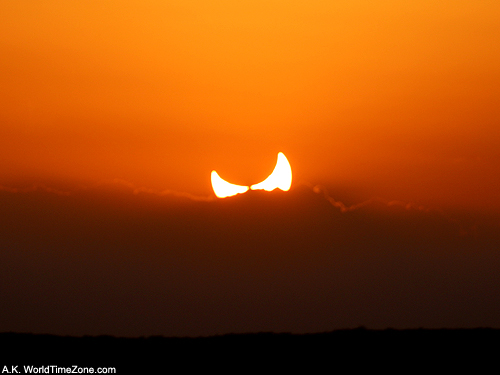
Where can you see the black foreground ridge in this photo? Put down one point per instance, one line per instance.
(449, 347)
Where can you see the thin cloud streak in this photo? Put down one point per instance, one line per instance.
(318, 189)
(35, 187)
(166, 192)
(322, 190)
(113, 182)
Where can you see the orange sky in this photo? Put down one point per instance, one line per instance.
(388, 98)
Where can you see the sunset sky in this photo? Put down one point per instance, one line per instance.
(391, 99)
(388, 112)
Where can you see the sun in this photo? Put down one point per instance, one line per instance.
(280, 178)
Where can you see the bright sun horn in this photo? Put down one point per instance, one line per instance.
(281, 178)
(223, 189)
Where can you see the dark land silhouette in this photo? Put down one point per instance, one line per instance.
(341, 350)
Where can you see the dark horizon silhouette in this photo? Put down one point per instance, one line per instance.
(390, 349)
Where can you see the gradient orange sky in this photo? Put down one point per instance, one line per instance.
(388, 98)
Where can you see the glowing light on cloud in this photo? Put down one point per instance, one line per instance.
(223, 189)
(281, 178)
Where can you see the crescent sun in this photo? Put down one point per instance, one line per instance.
(280, 178)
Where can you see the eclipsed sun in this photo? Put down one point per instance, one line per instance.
(280, 178)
